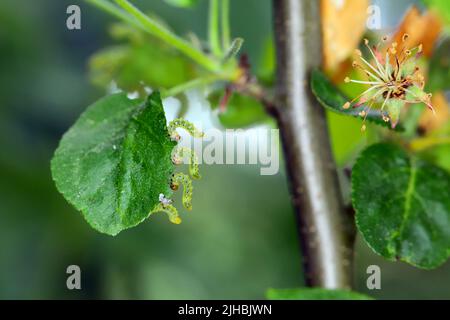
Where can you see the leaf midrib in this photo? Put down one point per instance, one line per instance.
(120, 169)
(409, 194)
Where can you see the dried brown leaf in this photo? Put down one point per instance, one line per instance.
(422, 29)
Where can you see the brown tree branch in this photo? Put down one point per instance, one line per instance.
(324, 228)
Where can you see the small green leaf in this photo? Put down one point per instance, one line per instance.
(139, 61)
(314, 294)
(132, 66)
(113, 163)
(332, 99)
(241, 111)
(402, 206)
(439, 74)
(182, 3)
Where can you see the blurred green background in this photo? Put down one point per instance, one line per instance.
(239, 240)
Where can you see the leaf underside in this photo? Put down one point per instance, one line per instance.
(113, 163)
(402, 206)
(332, 99)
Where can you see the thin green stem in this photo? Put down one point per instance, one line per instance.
(154, 28)
(213, 28)
(226, 38)
(112, 9)
(195, 83)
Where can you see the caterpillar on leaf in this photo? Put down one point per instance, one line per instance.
(116, 164)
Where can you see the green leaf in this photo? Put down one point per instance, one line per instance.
(182, 3)
(131, 67)
(332, 99)
(113, 163)
(402, 206)
(141, 61)
(439, 74)
(241, 111)
(314, 294)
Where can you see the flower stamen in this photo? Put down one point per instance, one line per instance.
(393, 76)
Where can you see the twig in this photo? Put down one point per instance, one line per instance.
(324, 228)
